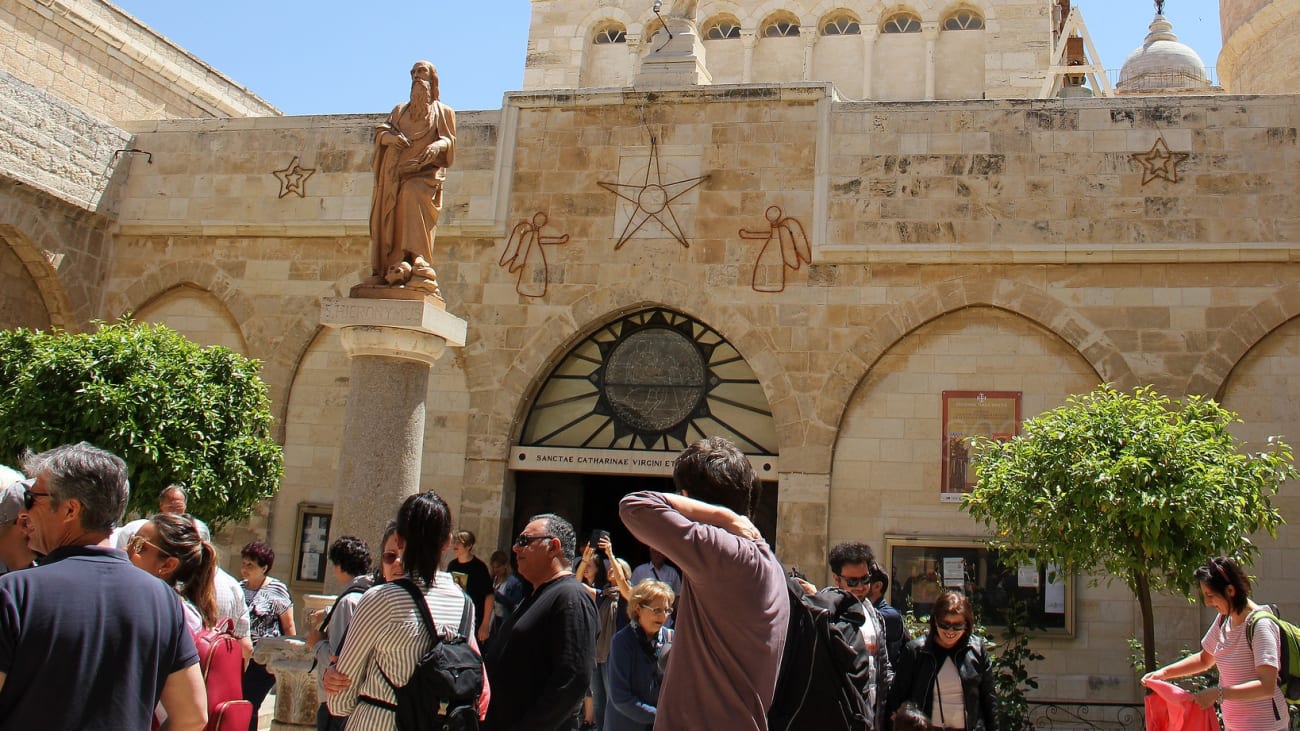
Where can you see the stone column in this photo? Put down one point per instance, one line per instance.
(747, 38)
(809, 35)
(633, 41)
(289, 660)
(931, 33)
(392, 344)
(868, 59)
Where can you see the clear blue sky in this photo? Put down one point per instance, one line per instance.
(342, 56)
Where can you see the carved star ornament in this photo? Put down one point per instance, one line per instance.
(653, 200)
(293, 178)
(1159, 162)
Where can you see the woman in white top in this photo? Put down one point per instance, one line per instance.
(387, 635)
(1247, 693)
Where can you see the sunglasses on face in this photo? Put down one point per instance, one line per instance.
(391, 557)
(29, 497)
(138, 542)
(953, 627)
(855, 580)
(524, 539)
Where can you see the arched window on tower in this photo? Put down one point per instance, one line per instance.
(901, 23)
(609, 34)
(782, 25)
(841, 24)
(721, 29)
(964, 20)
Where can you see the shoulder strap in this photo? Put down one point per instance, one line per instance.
(335, 605)
(467, 619)
(1254, 617)
(422, 605)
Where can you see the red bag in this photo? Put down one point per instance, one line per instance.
(1171, 708)
(221, 659)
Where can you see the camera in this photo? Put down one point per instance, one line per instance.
(596, 535)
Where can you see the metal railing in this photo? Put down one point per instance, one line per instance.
(1073, 716)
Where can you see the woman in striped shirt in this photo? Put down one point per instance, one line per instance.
(387, 635)
(1247, 693)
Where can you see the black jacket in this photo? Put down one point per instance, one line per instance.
(918, 669)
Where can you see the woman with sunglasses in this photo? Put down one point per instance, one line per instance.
(387, 636)
(390, 560)
(947, 673)
(1247, 654)
(637, 657)
(169, 547)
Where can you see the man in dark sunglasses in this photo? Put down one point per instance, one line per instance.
(72, 643)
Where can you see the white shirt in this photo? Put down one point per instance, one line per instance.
(230, 601)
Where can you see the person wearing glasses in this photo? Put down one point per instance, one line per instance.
(15, 554)
(541, 660)
(390, 557)
(168, 546)
(73, 645)
(1247, 659)
(947, 673)
(637, 657)
(723, 668)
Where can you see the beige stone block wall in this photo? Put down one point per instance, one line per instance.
(899, 68)
(959, 60)
(98, 58)
(20, 298)
(1258, 56)
(197, 315)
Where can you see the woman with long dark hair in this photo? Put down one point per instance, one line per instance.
(169, 547)
(947, 672)
(387, 636)
(1247, 654)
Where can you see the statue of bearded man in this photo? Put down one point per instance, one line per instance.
(413, 149)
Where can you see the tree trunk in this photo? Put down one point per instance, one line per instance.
(1142, 588)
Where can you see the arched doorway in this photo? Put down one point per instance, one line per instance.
(618, 408)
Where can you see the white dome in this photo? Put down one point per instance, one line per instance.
(1161, 62)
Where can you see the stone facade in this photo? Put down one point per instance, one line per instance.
(849, 44)
(1038, 246)
(1258, 56)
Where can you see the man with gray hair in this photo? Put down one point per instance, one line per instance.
(541, 659)
(88, 641)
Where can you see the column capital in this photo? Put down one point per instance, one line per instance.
(403, 329)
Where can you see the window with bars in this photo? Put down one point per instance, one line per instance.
(722, 30)
(964, 20)
(610, 34)
(841, 26)
(781, 29)
(902, 23)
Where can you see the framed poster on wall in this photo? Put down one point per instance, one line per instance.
(966, 415)
(311, 547)
(920, 567)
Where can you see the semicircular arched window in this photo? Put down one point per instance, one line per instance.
(841, 25)
(964, 20)
(609, 34)
(901, 23)
(722, 29)
(782, 26)
(655, 380)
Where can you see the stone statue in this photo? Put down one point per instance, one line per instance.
(413, 149)
(686, 9)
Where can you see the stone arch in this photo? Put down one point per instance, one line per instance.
(1245, 332)
(170, 275)
(178, 291)
(504, 398)
(606, 15)
(54, 296)
(1017, 298)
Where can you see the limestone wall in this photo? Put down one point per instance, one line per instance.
(1005, 59)
(1258, 54)
(981, 245)
(98, 58)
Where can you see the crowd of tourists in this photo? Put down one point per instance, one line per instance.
(103, 627)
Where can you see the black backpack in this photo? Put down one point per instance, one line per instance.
(825, 670)
(443, 691)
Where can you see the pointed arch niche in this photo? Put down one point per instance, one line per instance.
(620, 406)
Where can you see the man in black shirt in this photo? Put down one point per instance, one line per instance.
(541, 660)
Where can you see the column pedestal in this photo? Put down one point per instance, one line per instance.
(678, 61)
(392, 344)
(289, 660)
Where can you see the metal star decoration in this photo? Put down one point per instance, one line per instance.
(1159, 162)
(293, 178)
(653, 199)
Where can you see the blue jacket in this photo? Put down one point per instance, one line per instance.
(632, 680)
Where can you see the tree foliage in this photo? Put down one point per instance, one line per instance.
(174, 411)
(1132, 485)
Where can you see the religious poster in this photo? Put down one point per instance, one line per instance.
(313, 543)
(967, 415)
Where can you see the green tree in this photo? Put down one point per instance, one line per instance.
(175, 411)
(1131, 485)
